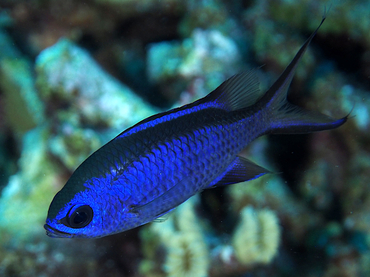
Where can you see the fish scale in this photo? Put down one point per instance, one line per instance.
(195, 170)
(157, 164)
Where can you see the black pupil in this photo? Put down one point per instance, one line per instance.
(79, 218)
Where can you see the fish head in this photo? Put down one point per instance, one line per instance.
(76, 217)
(87, 212)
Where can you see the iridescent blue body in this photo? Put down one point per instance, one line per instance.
(159, 163)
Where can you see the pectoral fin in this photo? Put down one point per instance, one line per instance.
(240, 170)
(164, 216)
(159, 207)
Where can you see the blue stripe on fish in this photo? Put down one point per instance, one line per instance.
(246, 92)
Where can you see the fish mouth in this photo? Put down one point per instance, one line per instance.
(54, 233)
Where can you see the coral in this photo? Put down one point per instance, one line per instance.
(23, 107)
(338, 163)
(186, 257)
(76, 142)
(184, 242)
(190, 48)
(277, 28)
(257, 237)
(133, 7)
(38, 257)
(356, 198)
(205, 59)
(341, 15)
(187, 252)
(25, 200)
(340, 98)
(275, 46)
(69, 74)
(86, 97)
(211, 14)
(271, 191)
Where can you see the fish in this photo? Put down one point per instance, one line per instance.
(152, 167)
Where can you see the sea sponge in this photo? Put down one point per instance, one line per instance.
(256, 238)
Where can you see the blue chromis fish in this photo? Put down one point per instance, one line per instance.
(159, 163)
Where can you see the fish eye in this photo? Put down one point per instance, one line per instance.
(79, 216)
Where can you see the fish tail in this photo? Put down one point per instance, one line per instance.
(290, 119)
(286, 118)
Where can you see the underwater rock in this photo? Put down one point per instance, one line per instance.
(356, 197)
(131, 8)
(22, 105)
(341, 15)
(257, 237)
(341, 97)
(199, 63)
(338, 165)
(79, 143)
(278, 26)
(25, 250)
(38, 257)
(274, 45)
(86, 105)
(67, 73)
(211, 14)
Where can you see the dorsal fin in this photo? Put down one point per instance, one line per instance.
(277, 94)
(237, 92)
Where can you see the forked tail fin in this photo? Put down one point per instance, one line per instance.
(286, 118)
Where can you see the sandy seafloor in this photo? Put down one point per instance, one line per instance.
(74, 74)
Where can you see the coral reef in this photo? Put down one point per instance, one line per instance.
(257, 237)
(68, 73)
(22, 106)
(68, 78)
(71, 77)
(30, 190)
(42, 258)
(186, 257)
(20, 95)
(184, 243)
(201, 62)
(280, 17)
